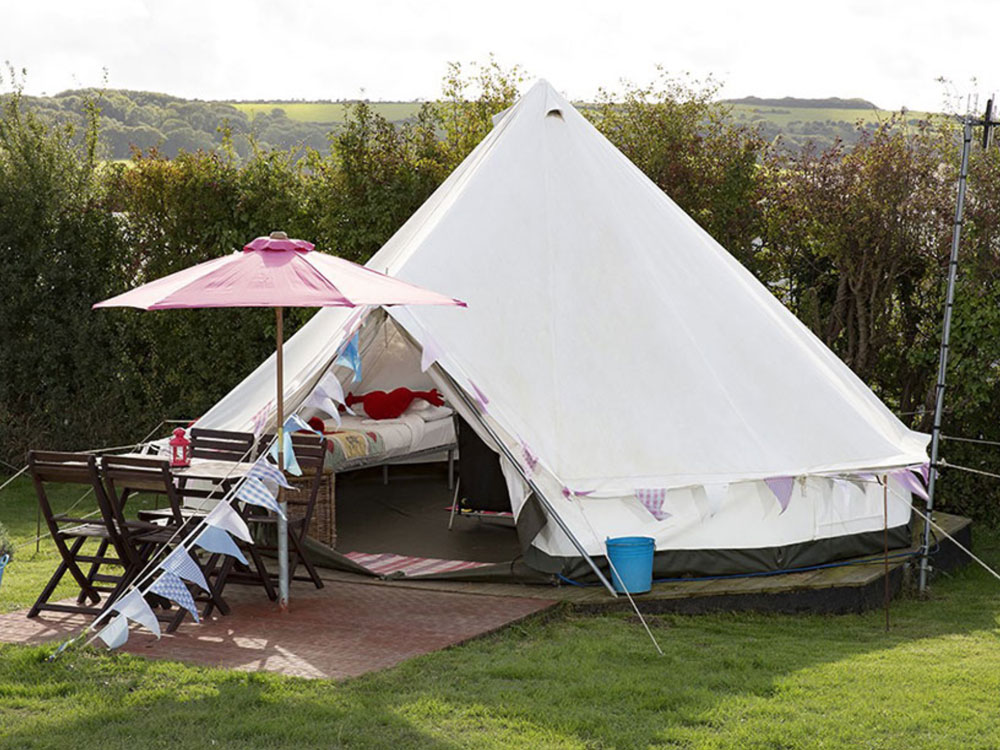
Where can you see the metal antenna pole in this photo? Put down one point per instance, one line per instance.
(945, 338)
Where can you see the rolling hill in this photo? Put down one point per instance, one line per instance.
(140, 119)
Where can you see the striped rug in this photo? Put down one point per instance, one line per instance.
(385, 563)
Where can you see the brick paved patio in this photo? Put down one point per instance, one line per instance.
(342, 630)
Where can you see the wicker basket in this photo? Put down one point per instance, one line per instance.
(323, 527)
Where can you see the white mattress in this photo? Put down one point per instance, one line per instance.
(406, 434)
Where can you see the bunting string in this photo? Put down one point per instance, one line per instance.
(209, 533)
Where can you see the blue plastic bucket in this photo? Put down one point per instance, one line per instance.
(632, 558)
(4, 559)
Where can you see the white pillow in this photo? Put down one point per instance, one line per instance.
(431, 413)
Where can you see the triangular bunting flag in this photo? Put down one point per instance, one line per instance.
(216, 540)
(430, 354)
(264, 469)
(716, 494)
(351, 358)
(782, 488)
(173, 588)
(182, 564)
(260, 419)
(925, 472)
(652, 500)
(295, 423)
(842, 490)
(255, 492)
(115, 633)
(530, 459)
(480, 397)
(332, 387)
(320, 399)
(906, 478)
(291, 464)
(222, 516)
(134, 607)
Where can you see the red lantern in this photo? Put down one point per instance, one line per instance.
(180, 449)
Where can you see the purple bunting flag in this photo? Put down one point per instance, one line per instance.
(530, 459)
(782, 488)
(431, 353)
(906, 478)
(173, 588)
(260, 419)
(479, 396)
(652, 500)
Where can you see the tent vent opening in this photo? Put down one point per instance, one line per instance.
(554, 112)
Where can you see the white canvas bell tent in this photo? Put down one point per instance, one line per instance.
(619, 353)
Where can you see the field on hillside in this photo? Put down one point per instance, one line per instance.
(784, 116)
(326, 112)
(333, 112)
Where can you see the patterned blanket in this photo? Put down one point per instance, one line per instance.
(344, 446)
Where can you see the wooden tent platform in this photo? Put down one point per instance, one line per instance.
(847, 588)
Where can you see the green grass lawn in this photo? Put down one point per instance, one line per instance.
(569, 681)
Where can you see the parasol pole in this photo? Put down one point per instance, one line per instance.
(282, 502)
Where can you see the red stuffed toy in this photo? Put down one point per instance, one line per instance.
(382, 405)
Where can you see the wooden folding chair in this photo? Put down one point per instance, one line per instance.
(125, 475)
(310, 451)
(70, 531)
(221, 445)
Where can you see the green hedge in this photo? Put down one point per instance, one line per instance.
(854, 240)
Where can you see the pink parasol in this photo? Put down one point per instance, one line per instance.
(277, 272)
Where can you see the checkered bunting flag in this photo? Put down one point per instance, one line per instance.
(267, 471)
(180, 563)
(653, 501)
(255, 492)
(173, 588)
(260, 419)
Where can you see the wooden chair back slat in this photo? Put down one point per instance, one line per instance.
(222, 445)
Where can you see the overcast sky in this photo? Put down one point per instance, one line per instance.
(888, 52)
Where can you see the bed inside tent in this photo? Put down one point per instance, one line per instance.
(403, 507)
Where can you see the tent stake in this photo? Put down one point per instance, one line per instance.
(530, 482)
